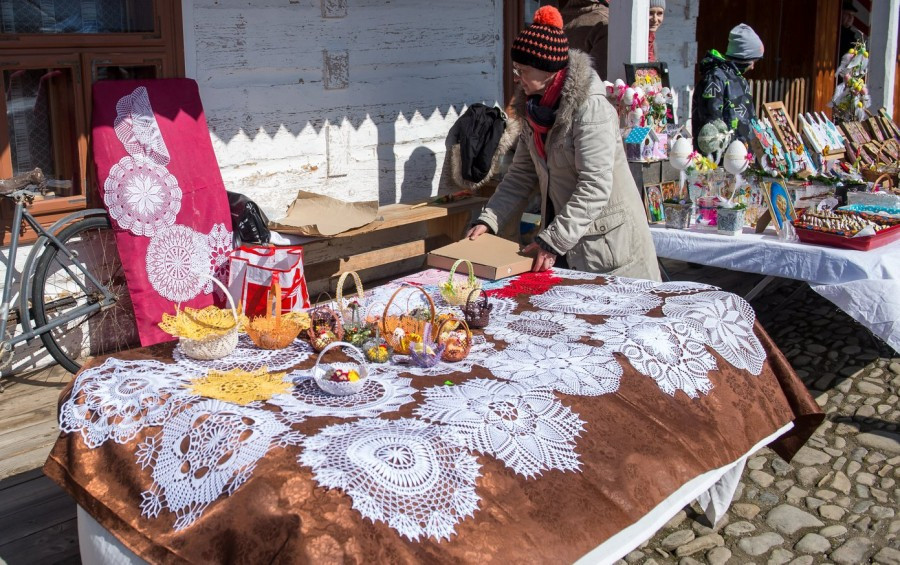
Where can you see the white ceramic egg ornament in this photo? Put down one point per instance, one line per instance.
(680, 153)
(634, 117)
(735, 160)
(629, 96)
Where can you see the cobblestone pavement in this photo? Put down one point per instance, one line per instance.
(837, 501)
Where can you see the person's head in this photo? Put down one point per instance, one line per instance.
(540, 51)
(657, 14)
(744, 47)
(848, 13)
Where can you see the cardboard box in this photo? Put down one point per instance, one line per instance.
(492, 257)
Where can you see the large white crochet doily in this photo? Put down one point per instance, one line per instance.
(209, 449)
(248, 357)
(119, 398)
(136, 127)
(600, 300)
(526, 427)
(574, 275)
(383, 392)
(671, 352)
(727, 322)
(176, 257)
(416, 477)
(671, 287)
(221, 242)
(538, 327)
(141, 196)
(570, 368)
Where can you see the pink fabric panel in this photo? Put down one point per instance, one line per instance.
(160, 181)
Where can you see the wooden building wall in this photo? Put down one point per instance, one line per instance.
(800, 38)
(349, 99)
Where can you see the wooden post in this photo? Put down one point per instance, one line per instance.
(883, 53)
(825, 45)
(629, 33)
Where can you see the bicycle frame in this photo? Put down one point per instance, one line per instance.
(47, 237)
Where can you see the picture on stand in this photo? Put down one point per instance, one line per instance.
(669, 191)
(653, 199)
(780, 204)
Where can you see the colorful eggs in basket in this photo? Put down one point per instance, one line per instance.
(378, 353)
(323, 339)
(344, 376)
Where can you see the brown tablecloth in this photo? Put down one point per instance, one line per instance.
(638, 446)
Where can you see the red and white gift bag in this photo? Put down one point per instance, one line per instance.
(254, 269)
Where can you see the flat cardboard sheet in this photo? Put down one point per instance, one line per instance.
(492, 257)
(322, 216)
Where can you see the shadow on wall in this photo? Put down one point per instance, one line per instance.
(418, 175)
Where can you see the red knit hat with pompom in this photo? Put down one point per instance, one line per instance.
(543, 44)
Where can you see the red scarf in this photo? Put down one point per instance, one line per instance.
(548, 100)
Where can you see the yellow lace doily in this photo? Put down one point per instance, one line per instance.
(239, 386)
(198, 324)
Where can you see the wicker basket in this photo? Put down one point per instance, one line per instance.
(378, 350)
(356, 329)
(400, 330)
(478, 311)
(324, 326)
(210, 333)
(427, 352)
(457, 293)
(456, 342)
(273, 332)
(321, 373)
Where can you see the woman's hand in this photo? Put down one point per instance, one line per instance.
(543, 261)
(476, 231)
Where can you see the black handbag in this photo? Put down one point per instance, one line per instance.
(248, 221)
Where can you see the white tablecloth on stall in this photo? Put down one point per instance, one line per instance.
(864, 284)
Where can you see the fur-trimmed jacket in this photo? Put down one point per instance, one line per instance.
(600, 224)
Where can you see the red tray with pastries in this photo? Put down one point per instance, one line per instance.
(863, 243)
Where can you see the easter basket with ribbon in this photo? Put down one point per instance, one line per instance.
(325, 325)
(477, 311)
(275, 331)
(456, 293)
(455, 337)
(408, 327)
(341, 378)
(357, 330)
(377, 349)
(426, 352)
(207, 333)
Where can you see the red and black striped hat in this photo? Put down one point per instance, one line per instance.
(543, 44)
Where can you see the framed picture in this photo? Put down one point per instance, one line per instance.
(783, 125)
(669, 191)
(653, 204)
(647, 73)
(780, 204)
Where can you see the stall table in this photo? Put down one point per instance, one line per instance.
(864, 284)
(588, 412)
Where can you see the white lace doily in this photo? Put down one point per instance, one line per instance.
(669, 351)
(481, 350)
(570, 368)
(501, 309)
(574, 275)
(118, 398)
(220, 242)
(599, 300)
(727, 322)
(417, 478)
(671, 287)
(384, 392)
(248, 357)
(527, 428)
(136, 127)
(538, 327)
(209, 449)
(141, 196)
(175, 258)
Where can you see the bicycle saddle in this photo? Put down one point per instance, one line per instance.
(20, 181)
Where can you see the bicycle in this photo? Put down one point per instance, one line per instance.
(72, 293)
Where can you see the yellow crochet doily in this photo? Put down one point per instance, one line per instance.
(239, 386)
(196, 324)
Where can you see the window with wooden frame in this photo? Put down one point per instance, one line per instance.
(517, 14)
(51, 52)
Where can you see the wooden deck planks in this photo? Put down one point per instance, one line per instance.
(37, 521)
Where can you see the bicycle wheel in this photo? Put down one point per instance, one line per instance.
(60, 288)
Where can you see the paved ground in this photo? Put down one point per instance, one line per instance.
(838, 500)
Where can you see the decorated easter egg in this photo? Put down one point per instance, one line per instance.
(629, 96)
(735, 159)
(680, 153)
